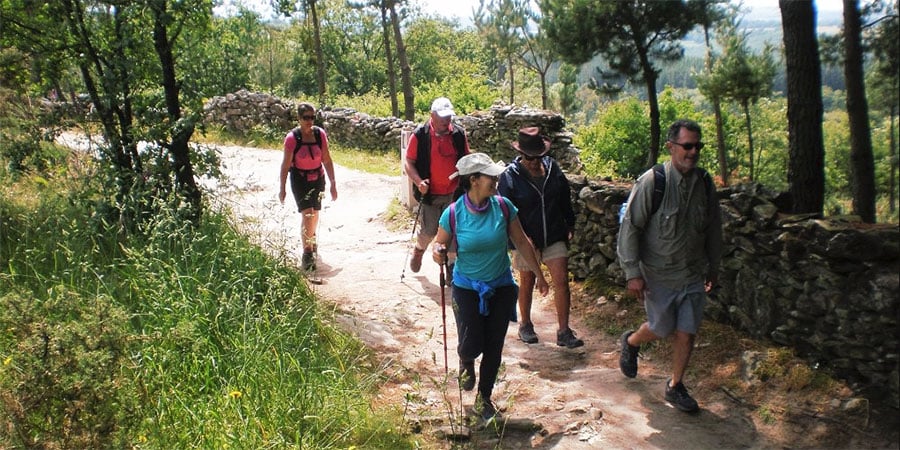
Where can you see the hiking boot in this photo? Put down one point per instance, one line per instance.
(527, 334)
(467, 375)
(629, 356)
(678, 396)
(415, 264)
(567, 339)
(309, 261)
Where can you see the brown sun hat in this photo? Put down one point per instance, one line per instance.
(531, 142)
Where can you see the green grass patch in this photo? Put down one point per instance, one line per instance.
(176, 336)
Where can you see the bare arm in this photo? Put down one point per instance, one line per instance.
(283, 173)
(329, 167)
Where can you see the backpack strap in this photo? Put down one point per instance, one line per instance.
(503, 207)
(659, 187)
(298, 141)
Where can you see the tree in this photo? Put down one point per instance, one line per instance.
(537, 51)
(740, 76)
(862, 161)
(499, 22)
(568, 78)
(884, 42)
(633, 36)
(710, 14)
(806, 175)
(308, 7)
(409, 101)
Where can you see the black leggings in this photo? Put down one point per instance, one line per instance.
(483, 335)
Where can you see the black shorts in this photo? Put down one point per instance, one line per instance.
(308, 188)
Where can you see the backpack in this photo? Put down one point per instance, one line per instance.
(298, 138)
(659, 189)
(423, 154)
(503, 207)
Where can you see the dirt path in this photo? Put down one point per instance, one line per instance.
(578, 398)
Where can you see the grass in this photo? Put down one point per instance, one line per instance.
(172, 337)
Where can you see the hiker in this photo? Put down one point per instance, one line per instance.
(540, 190)
(431, 157)
(483, 288)
(670, 249)
(307, 159)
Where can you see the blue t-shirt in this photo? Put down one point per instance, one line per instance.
(482, 239)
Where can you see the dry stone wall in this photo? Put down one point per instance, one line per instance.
(826, 287)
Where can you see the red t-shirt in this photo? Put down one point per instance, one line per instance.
(443, 162)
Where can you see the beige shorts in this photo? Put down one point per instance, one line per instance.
(555, 250)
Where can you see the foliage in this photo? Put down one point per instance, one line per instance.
(175, 337)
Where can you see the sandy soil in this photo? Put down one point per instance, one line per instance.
(553, 397)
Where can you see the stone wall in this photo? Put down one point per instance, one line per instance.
(826, 287)
(489, 131)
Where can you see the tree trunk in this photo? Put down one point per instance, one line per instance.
(409, 104)
(389, 56)
(181, 130)
(861, 159)
(745, 104)
(320, 56)
(806, 168)
(720, 141)
(512, 80)
(893, 144)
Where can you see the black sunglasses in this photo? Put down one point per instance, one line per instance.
(309, 117)
(689, 145)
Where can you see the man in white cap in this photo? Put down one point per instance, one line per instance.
(431, 157)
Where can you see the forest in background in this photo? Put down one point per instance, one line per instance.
(389, 58)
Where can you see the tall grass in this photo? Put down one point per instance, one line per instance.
(174, 337)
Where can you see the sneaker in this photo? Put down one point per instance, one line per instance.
(527, 334)
(467, 375)
(309, 261)
(567, 339)
(489, 412)
(678, 396)
(629, 356)
(415, 264)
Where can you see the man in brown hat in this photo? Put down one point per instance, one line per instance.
(539, 189)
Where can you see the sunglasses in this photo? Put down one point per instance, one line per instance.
(689, 145)
(308, 117)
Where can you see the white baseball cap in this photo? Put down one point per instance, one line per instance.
(442, 107)
(478, 163)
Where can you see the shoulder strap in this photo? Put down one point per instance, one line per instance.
(659, 187)
(297, 138)
(318, 133)
(503, 207)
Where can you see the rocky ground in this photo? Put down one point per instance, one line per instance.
(553, 397)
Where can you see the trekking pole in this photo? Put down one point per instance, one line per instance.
(444, 306)
(412, 235)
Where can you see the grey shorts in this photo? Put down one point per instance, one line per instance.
(555, 250)
(669, 310)
(429, 217)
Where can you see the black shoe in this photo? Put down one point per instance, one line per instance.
(489, 412)
(567, 339)
(629, 356)
(309, 261)
(467, 375)
(678, 396)
(527, 334)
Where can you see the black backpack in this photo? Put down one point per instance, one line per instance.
(423, 154)
(659, 188)
(298, 141)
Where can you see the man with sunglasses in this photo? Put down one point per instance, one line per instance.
(538, 187)
(671, 256)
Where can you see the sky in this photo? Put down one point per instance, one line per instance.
(462, 9)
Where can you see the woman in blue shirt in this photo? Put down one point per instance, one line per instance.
(484, 291)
